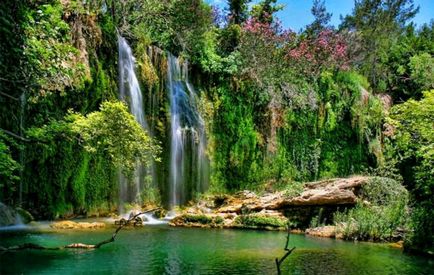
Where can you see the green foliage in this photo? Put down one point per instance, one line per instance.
(180, 26)
(410, 145)
(406, 78)
(378, 24)
(321, 21)
(422, 224)
(236, 140)
(293, 190)
(261, 221)
(78, 159)
(238, 11)
(373, 223)
(422, 70)
(383, 191)
(52, 60)
(382, 214)
(202, 219)
(272, 119)
(412, 142)
(114, 130)
(264, 10)
(8, 167)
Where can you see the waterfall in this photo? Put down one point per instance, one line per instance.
(188, 169)
(188, 161)
(129, 92)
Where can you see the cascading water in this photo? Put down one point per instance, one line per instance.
(129, 91)
(189, 165)
(188, 161)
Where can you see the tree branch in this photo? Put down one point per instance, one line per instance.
(75, 245)
(288, 252)
(14, 135)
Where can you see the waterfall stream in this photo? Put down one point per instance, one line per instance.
(129, 92)
(188, 170)
(188, 161)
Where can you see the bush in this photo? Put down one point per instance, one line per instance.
(410, 145)
(374, 223)
(383, 191)
(259, 220)
(422, 225)
(202, 219)
(380, 218)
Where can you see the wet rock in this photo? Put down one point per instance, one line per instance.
(8, 216)
(70, 225)
(160, 213)
(328, 231)
(26, 217)
(398, 245)
(198, 220)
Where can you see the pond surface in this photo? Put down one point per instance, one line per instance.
(166, 250)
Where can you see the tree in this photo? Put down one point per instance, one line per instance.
(378, 24)
(264, 10)
(115, 130)
(322, 19)
(422, 70)
(237, 11)
(411, 143)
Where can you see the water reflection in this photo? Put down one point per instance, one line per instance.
(165, 250)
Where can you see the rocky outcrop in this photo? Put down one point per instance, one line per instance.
(321, 193)
(272, 210)
(70, 225)
(270, 220)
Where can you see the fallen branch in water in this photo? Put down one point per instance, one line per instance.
(288, 251)
(75, 245)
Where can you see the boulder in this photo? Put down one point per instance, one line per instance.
(8, 216)
(26, 217)
(328, 231)
(333, 196)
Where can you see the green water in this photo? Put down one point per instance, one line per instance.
(167, 250)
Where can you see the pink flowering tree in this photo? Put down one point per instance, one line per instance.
(326, 51)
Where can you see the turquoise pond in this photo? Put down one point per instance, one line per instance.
(162, 249)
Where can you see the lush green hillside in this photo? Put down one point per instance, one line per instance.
(279, 107)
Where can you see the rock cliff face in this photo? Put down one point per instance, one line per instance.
(272, 210)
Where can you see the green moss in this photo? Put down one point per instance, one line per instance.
(202, 219)
(261, 221)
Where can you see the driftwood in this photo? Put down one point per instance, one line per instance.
(288, 252)
(75, 245)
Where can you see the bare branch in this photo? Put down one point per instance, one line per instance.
(75, 245)
(288, 252)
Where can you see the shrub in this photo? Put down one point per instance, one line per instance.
(381, 217)
(202, 219)
(259, 220)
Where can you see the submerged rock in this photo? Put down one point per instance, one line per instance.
(77, 225)
(328, 231)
